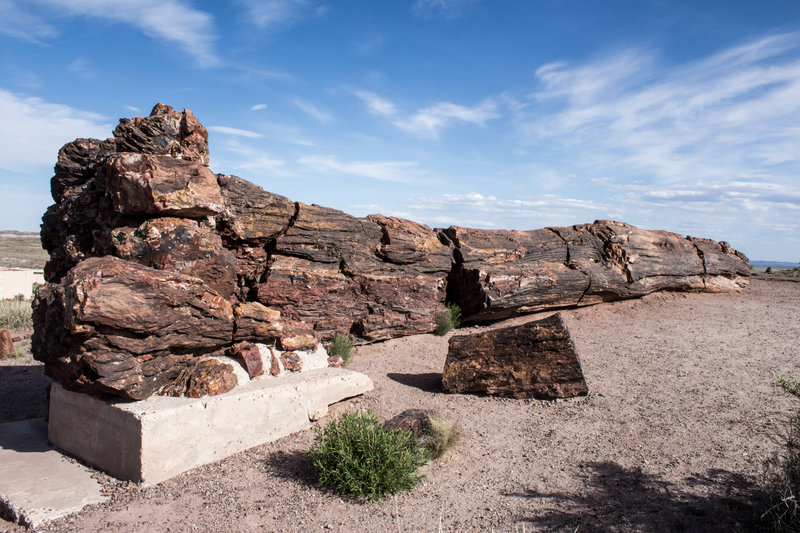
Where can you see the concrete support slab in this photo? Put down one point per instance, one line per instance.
(37, 483)
(155, 439)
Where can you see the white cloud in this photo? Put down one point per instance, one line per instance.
(730, 113)
(233, 156)
(174, 21)
(488, 211)
(427, 122)
(375, 104)
(225, 130)
(33, 130)
(21, 24)
(313, 111)
(447, 9)
(277, 14)
(395, 171)
(132, 108)
(258, 107)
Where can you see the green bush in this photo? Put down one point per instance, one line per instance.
(439, 435)
(343, 347)
(357, 455)
(447, 319)
(15, 314)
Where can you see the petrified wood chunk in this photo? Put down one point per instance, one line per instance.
(249, 356)
(417, 421)
(6, 344)
(534, 360)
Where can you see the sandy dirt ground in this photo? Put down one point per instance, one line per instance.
(682, 412)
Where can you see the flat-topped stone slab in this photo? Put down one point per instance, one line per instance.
(37, 483)
(155, 439)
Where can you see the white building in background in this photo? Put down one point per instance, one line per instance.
(14, 281)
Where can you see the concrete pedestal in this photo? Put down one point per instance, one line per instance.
(155, 439)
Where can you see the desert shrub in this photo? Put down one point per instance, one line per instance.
(789, 384)
(439, 435)
(781, 508)
(447, 319)
(343, 347)
(357, 455)
(15, 314)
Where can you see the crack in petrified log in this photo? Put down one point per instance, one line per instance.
(145, 207)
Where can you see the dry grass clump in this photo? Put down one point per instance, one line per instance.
(440, 434)
(16, 314)
(343, 347)
(447, 319)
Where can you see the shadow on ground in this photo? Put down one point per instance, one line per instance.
(427, 382)
(620, 499)
(23, 391)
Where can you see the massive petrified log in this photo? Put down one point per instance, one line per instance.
(534, 360)
(155, 260)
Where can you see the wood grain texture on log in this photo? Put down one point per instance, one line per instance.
(534, 360)
(155, 260)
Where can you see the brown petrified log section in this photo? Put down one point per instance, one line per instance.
(376, 277)
(113, 326)
(504, 273)
(180, 245)
(164, 132)
(534, 360)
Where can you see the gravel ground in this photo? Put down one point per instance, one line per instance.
(682, 413)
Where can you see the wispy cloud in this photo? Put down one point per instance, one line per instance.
(226, 130)
(21, 24)
(447, 9)
(33, 130)
(258, 107)
(375, 104)
(395, 171)
(174, 21)
(712, 118)
(274, 15)
(489, 211)
(429, 121)
(313, 111)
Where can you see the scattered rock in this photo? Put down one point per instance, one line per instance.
(534, 360)
(210, 378)
(414, 420)
(291, 361)
(6, 344)
(249, 356)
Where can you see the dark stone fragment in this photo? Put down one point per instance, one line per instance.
(534, 360)
(414, 420)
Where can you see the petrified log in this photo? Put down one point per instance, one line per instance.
(503, 273)
(534, 360)
(6, 344)
(209, 261)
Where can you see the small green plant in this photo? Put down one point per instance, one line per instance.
(789, 383)
(359, 456)
(439, 435)
(447, 319)
(15, 314)
(343, 347)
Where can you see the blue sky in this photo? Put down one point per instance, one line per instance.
(497, 114)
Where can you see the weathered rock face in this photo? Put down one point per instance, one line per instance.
(534, 360)
(503, 273)
(156, 261)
